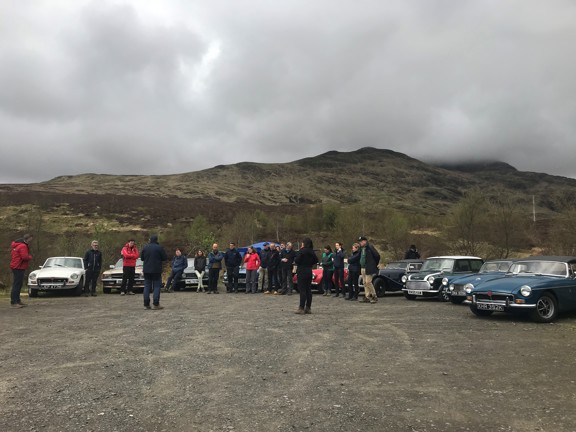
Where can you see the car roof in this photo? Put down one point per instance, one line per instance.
(455, 257)
(407, 261)
(65, 257)
(568, 259)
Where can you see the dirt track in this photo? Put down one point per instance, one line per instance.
(237, 362)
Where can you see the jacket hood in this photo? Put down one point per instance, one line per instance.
(17, 242)
(154, 238)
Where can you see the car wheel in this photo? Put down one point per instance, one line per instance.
(409, 296)
(32, 292)
(380, 287)
(79, 288)
(546, 309)
(480, 312)
(457, 300)
(443, 296)
(106, 290)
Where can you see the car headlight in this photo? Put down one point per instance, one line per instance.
(404, 279)
(468, 288)
(451, 287)
(32, 276)
(525, 290)
(445, 281)
(430, 280)
(74, 276)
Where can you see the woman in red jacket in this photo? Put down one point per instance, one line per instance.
(252, 262)
(129, 256)
(20, 258)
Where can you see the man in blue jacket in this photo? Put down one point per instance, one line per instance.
(233, 260)
(215, 258)
(153, 255)
(179, 264)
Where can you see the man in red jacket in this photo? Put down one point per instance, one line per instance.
(19, 263)
(129, 256)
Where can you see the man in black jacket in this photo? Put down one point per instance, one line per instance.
(286, 264)
(263, 271)
(369, 259)
(92, 265)
(232, 259)
(153, 255)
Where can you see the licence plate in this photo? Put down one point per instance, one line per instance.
(490, 307)
(52, 286)
(192, 281)
(414, 292)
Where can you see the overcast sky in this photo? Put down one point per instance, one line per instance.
(171, 86)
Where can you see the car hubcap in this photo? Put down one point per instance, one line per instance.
(545, 308)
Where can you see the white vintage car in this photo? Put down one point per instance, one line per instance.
(58, 273)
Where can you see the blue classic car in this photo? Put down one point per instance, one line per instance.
(389, 279)
(490, 270)
(543, 286)
(428, 281)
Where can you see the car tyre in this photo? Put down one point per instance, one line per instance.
(443, 296)
(107, 290)
(546, 309)
(480, 312)
(79, 288)
(409, 296)
(380, 287)
(32, 292)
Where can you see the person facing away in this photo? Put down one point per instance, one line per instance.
(412, 253)
(153, 256)
(305, 259)
(200, 268)
(92, 266)
(369, 259)
(273, 265)
(178, 265)
(129, 256)
(252, 263)
(232, 260)
(353, 273)
(215, 258)
(19, 260)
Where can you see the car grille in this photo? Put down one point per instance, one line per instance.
(459, 289)
(52, 281)
(116, 275)
(417, 285)
(482, 296)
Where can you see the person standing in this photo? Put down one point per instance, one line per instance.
(200, 269)
(287, 256)
(129, 256)
(369, 259)
(153, 256)
(264, 260)
(305, 259)
(353, 273)
(252, 262)
(327, 269)
(179, 264)
(412, 253)
(232, 260)
(92, 265)
(215, 258)
(339, 269)
(273, 265)
(20, 259)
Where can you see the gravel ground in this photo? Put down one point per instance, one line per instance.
(236, 362)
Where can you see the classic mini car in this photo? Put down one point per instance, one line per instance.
(112, 279)
(490, 270)
(190, 279)
(389, 278)
(428, 281)
(542, 286)
(56, 274)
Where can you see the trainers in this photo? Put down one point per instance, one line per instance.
(131, 293)
(16, 306)
(266, 292)
(157, 307)
(373, 300)
(307, 310)
(122, 293)
(364, 300)
(22, 304)
(147, 307)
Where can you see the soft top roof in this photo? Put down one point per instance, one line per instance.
(455, 257)
(558, 258)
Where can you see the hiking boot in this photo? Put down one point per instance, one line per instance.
(157, 307)
(300, 311)
(22, 304)
(364, 300)
(307, 310)
(373, 300)
(16, 306)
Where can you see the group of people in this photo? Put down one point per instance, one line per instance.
(271, 269)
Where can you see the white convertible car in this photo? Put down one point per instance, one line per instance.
(58, 273)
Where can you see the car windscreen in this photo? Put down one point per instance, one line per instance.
(63, 262)
(438, 264)
(550, 268)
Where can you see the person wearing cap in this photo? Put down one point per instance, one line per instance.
(92, 265)
(19, 260)
(129, 256)
(369, 259)
(264, 261)
(153, 256)
(412, 253)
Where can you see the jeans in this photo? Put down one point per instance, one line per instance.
(213, 275)
(16, 286)
(272, 278)
(174, 278)
(353, 288)
(200, 275)
(128, 274)
(286, 279)
(305, 287)
(339, 279)
(251, 281)
(233, 273)
(152, 282)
